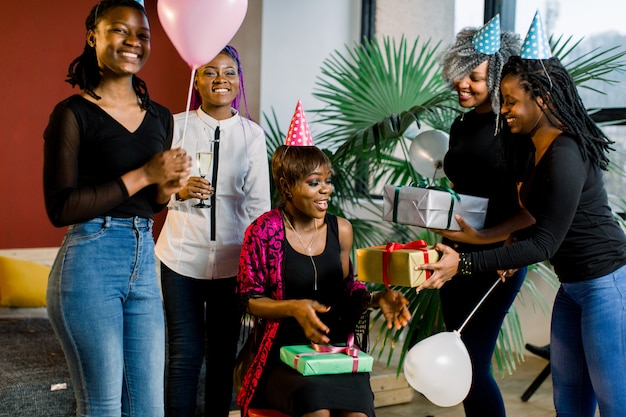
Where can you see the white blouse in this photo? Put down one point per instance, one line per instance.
(242, 193)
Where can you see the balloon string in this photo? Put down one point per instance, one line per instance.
(182, 141)
(478, 305)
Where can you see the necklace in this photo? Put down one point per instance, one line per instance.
(307, 248)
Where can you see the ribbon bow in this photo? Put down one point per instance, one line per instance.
(350, 349)
(391, 246)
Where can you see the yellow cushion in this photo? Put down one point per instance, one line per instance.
(22, 283)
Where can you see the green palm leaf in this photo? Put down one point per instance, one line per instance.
(374, 93)
(590, 66)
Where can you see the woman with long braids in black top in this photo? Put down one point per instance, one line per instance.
(574, 229)
(108, 168)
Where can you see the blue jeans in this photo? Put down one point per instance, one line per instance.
(105, 306)
(199, 310)
(588, 347)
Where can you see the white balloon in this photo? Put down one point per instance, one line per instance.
(440, 368)
(427, 151)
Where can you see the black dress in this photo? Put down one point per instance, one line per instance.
(282, 387)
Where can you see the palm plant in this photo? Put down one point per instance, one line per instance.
(372, 94)
(594, 65)
(371, 128)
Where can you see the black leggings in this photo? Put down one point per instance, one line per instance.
(458, 298)
(203, 322)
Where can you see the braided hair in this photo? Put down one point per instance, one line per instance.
(549, 80)
(196, 99)
(84, 70)
(461, 58)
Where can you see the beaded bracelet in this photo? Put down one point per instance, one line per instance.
(465, 264)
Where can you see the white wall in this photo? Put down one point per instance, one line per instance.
(416, 18)
(297, 35)
(535, 323)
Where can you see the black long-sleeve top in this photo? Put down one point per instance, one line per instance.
(86, 152)
(481, 163)
(574, 226)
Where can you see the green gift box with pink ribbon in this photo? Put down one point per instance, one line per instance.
(317, 359)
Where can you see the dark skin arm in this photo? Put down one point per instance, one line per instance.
(168, 169)
(498, 233)
(304, 311)
(196, 187)
(494, 234)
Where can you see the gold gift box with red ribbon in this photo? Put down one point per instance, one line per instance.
(394, 264)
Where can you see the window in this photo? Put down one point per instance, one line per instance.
(600, 25)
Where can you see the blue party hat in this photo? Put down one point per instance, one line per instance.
(536, 45)
(487, 39)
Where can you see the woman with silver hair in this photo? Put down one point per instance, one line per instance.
(462, 60)
(479, 163)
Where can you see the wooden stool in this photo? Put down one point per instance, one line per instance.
(261, 412)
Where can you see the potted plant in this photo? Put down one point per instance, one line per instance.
(372, 94)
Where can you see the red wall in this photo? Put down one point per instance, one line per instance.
(40, 40)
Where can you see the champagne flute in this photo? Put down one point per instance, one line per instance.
(203, 159)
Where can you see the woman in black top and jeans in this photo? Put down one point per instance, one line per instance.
(107, 170)
(574, 228)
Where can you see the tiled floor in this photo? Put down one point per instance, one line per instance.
(512, 387)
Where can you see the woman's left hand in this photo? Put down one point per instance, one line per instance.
(394, 307)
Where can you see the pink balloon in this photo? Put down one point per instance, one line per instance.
(200, 29)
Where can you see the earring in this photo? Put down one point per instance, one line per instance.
(288, 195)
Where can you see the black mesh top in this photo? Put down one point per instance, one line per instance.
(85, 153)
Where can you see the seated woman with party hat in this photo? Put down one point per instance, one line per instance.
(295, 277)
